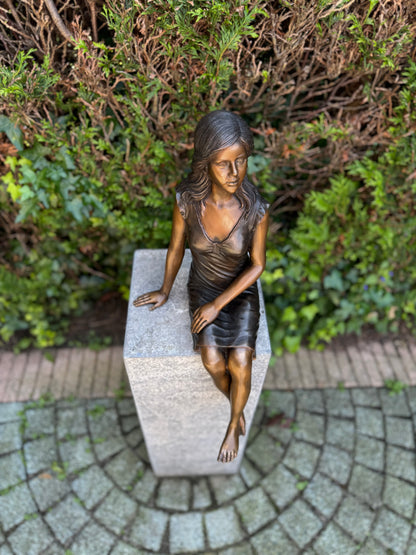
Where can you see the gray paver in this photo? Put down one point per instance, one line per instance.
(370, 422)
(92, 486)
(255, 510)
(367, 485)
(371, 547)
(249, 473)
(134, 437)
(332, 537)
(40, 421)
(129, 423)
(10, 439)
(47, 490)
(323, 494)
(31, 537)
(399, 496)
(311, 401)
(399, 431)
(67, 518)
(71, 422)
(201, 494)
(116, 511)
(311, 427)
(124, 468)
(108, 448)
(340, 432)
(264, 452)
(300, 523)
(10, 412)
(281, 486)
(273, 541)
(338, 403)
(401, 463)
(149, 519)
(336, 464)
(77, 454)
(355, 518)
(302, 457)
(392, 531)
(174, 494)
(394, 405)
(15, 506)
(220, 535)
(93, 540)
(40, 454)
(242, 549)
(186, 533)
(370, 452)
(145, 487)
(12, 470)
(281, 402)
(226, 488)
(367, 397)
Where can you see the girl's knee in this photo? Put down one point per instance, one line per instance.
(239, 363)
(213, 360)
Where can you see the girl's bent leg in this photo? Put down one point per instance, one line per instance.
(214, 361)
(239, 366)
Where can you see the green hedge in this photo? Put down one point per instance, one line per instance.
(101, 130)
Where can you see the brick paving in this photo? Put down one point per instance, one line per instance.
(330, 464)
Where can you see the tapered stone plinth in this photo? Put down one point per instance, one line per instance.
(182, 414)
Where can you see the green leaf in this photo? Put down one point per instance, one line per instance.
(334, 281)
(289, 314)
(309, 312)
(13, 133)
(292, 343)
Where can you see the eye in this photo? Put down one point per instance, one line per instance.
(241, 161)
(221, 164)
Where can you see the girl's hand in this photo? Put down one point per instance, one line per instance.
(156, 298)
(203, 316)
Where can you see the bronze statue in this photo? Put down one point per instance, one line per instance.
(224, 219)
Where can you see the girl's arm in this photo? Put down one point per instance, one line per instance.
(174, 259)
(208, 312)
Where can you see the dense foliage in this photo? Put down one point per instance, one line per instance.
(99, 100)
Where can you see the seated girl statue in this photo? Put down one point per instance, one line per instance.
(224, 220)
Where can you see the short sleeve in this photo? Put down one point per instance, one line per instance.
(181, 205)
(262, 208)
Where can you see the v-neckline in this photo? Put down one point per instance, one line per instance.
(216, 241)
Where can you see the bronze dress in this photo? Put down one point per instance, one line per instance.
(215, 265)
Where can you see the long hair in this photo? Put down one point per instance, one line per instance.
(214, 132)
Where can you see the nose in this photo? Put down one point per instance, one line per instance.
(234, 170)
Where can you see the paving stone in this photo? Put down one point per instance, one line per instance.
(30, 538)
(201, 494)
(108, 448)
(145, 487)
(148, 528)
(399, 496)
(392, 531)
(302, 457)
(10, 412)
(281, 486)
(10, 439)
(226, 488)
(255, 510)
(54, 549)
(394, 405)
(311, 427)
(249, 473)
(91, 486)
(372, 547)
(273, 541)
(281, 402)
(401, 463)
(12, 470)
(300, 523)
(71, 422)
(66, 519)
(367, 485)
(15, 505)
(116, 511)
(40, 454)
(264, 452)
(411, 550)
(129, 423)
(93, 540)
(332, 536)
(355, 518)
(410, 394)
(220, 535)
(338, 403)
(47, 490)
(336, 464)
(124, 468)
(126, 407)
(39, 422)
(134, 437)
(174, 493)
(311, 401)
(340, 432)
(5, 550)
(399, 431)
(123, 548)
(186, 533)
(323, 494)
(370, 422)
(367, 397)
(77, 454)
(370, 452)
(242, 549)
(102, 424)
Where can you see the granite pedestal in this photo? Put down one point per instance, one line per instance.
(182, 414)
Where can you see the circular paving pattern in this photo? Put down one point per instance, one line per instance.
(325, 472)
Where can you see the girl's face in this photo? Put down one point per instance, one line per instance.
(228, 168)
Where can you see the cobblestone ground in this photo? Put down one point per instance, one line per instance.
(325, 472)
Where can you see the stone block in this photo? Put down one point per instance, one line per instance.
(182, 414)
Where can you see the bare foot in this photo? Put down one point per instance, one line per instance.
(242, 425)
(229, 447)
